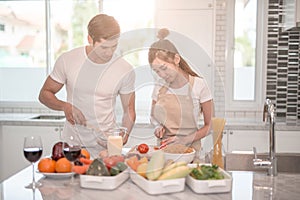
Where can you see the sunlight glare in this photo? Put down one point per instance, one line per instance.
(131, 13)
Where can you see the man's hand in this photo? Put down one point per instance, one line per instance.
(74, 115)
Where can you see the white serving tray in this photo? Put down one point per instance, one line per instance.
(104, 182)
(210, 186)
(157, 187)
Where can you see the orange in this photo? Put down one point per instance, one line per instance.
(47, 165)
(63, 165)
(85, 153)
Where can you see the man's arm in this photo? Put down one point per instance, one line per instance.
(47, 95)
(48, 98)
(129, 115)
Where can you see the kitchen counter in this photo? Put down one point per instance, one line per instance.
(245, 186)
(25, 119)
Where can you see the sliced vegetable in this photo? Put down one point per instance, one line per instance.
(133, 162)
(80, 169)
(205, 172)
(85, 160)
(112, 161)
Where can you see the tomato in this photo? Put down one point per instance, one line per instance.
(143, 148)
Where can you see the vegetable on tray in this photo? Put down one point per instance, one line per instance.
(205, 172)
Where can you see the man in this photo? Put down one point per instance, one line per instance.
(94, 76)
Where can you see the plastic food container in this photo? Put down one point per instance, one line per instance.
(104, 182)
(158, 187)
(210, 186)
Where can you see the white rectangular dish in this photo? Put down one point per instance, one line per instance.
(210, 186)
(157, 187)
(104, 182)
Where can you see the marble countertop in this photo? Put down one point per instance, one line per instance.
(245, 186)
(25, 119)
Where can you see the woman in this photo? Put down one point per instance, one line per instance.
(177, 103)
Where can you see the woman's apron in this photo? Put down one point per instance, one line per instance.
(176, 114)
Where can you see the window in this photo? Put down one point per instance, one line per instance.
(24, 59)
(22, 50)
(28, 49)
(245, 57)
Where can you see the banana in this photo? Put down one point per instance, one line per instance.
(173, 165)
(177, 172)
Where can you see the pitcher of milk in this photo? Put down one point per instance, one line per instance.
(115, 140)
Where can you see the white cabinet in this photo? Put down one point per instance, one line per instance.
(287, 141)
(12, 138)
(192, 31)
(245, 140)
(225, 141)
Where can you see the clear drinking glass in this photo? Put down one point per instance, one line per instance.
(72, 151)
(33, 149)
(115, 140)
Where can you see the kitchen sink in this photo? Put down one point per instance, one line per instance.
(286, 162)
(48, 117)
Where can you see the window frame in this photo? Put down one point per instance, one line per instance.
(260, 61)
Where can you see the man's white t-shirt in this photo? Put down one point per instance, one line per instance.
(92, 87)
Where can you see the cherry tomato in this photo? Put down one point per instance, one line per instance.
(143, 148)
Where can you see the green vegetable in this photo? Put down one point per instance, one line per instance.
(121, 166)
(114, 171)
(97, 168)
(205, 172)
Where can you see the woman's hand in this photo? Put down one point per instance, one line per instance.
(159, 131)
(74, 115)
(169, 140)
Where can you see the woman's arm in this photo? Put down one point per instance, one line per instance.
(207, 110)
(159, 129)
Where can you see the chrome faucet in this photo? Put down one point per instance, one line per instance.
(271, 162)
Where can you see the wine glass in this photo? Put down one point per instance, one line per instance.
(33, 149)
(72, 150)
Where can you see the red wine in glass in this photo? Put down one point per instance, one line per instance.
(71, 150)
(72, 153)
(33, 154)
(33, 149)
